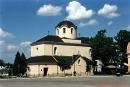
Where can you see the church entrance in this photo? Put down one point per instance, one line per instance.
(45, 70)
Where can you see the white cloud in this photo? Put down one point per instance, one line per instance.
(8, 51)
(49, 10)
(7, 48)
(88, 23)
(4, 34)
(92, 22)
(82, 24)
(77, 11)
(2, 42)
(11, 47)
(110, 23)
(109, 11)
(25, 44)
(128, 27)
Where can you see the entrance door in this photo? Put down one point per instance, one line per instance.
(45, 71)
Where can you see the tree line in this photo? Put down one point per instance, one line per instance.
(109, 49)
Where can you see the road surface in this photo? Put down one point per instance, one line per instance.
(94, 81)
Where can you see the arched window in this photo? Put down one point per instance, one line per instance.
(64, 30)
(71, 30)
(57, 31)
(28, 68)
(90, 50)
(79, 62)
(37, 48)
(55, 50)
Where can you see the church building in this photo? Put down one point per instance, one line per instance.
(46, 51)
(128, 56)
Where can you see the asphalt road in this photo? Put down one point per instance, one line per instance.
(98, 81)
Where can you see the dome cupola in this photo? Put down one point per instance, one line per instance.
(66, 29)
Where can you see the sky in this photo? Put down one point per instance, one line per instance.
(25, 21)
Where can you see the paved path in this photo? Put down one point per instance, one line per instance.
(98, 81)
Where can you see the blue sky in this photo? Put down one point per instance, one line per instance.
(25, 21)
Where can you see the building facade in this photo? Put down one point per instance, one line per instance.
(128, 55)
(45, 51)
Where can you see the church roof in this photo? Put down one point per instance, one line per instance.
(49, 38)
(68, 23)
(51, 59)
(42, 59)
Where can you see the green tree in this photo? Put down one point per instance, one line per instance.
(85, 40)
(23, 64)
(16, 67)
(122, 38)
(2, 63)
(20, 65)
(102, 47)
(63, 63)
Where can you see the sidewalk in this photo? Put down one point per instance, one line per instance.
(93, 76)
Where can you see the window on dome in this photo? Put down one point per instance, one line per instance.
(57, 31)
(71, 30)
(64, 30)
